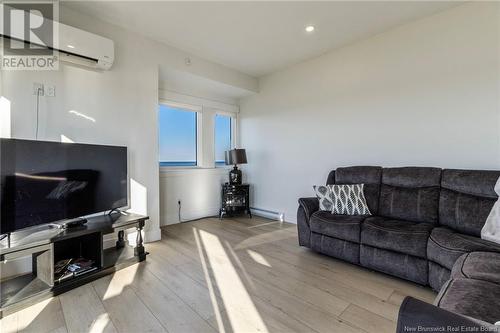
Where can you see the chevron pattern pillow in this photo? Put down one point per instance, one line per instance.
(324, 195)
(348, 200)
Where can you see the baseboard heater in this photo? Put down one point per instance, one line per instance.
(268, 214)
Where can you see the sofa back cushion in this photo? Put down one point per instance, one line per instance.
(368, 175)
(467, 197)
(410, 193)
(331, 178)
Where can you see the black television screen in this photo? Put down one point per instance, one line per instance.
(43, 182)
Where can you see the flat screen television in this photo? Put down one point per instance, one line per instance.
(43, 182)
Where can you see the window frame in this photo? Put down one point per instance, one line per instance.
(232, 144)
(198, 124)
(205, 129)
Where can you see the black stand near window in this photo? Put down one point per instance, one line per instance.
(235, 200)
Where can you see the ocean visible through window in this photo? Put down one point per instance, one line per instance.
(177, 136)
(222, 137)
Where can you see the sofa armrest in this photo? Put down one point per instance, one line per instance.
(307, 206)
(310, 205)
(416, 316)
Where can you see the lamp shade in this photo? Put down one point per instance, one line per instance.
(237, 156)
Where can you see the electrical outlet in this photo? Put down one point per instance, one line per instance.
(50, 91)
(38, 89)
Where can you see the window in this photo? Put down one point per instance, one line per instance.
(177, 136)
(222, 137)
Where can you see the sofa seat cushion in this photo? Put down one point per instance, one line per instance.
(445, 246)
(396, 235)
(478, 265)
(346, 227)
(474, 298)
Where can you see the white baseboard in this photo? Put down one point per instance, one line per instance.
(214, 211)
(291, 218)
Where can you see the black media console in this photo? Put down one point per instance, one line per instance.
(47, 246)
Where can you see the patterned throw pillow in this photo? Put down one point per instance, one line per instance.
(324, 196)
(348, 200)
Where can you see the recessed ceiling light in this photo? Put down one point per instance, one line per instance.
(310, 28)
(70, 46)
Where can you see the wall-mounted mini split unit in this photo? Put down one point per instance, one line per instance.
(74, 46)
(85, 48)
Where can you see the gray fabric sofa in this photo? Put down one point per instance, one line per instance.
(425, 227)
(423, 219)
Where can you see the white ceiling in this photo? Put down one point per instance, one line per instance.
(258, 38)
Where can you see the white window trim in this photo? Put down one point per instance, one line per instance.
(201, 132)
(191, 108)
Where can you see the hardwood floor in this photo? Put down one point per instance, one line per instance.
(235, 275)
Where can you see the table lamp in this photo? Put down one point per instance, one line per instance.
(235, 157)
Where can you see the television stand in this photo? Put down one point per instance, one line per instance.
(47, 246)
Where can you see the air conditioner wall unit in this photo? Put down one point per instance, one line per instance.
(85, 48)
(77, 46)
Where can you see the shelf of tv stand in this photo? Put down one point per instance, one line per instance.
(119, 256)
(22, 291)
(20, 288)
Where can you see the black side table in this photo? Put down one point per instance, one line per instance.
(235, 199)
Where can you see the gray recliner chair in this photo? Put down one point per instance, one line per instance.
(470, 298)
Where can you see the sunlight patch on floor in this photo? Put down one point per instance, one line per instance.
(210, 287)
(236, 299)
(119, 281)
(100, 323)
(258, 258)
(29, 314)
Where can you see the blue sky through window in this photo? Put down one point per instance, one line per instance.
(177, 136)
(222, 137)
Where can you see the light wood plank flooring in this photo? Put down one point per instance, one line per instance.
(235, 275)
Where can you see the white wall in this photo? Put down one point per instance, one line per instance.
(198, 190)
(426, 93)
(122, 103)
